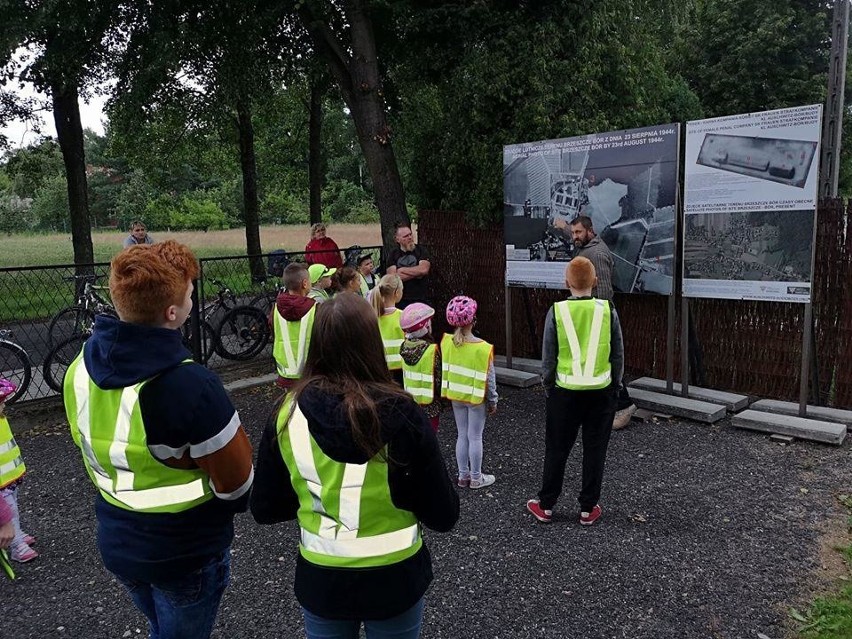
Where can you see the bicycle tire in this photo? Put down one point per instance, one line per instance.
(242, 334)
(59, 359)
(74, 320)
(264, 301)
(15, 366)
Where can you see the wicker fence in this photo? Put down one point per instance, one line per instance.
(748, 347)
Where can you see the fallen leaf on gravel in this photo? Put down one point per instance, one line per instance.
(473, 537)
(804, 491)
(638, 518)
(760, 635)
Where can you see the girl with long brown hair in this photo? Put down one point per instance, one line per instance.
(351, 456)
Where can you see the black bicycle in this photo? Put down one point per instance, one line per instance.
(80, 317)
(232, 331)
(60, 357)
(15, 365)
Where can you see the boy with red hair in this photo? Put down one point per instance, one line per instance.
(582, 363)
(162, 443)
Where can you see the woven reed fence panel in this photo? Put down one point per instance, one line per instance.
(748, 347)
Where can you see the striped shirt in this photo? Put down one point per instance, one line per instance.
(598, 253)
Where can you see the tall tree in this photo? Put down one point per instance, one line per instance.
(342, 33)
(207, 62)
(67, 46)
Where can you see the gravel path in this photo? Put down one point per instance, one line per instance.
(708, 532)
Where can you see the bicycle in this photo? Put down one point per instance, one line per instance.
(14, 365)
(265, 300)
(80, 317)
(239, 333)
(59, 358)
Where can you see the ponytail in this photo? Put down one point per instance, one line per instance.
(387, 288)
(458, 336)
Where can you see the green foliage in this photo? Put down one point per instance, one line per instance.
(198, 215)
(345, 201)
(569, 72)
(740, 56)
(29, 167)
(50, 205)
(281, 207)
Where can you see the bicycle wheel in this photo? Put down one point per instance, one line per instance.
(15, 366)
(59, 359)
(242, 334)
(265, 301)
(73, 320)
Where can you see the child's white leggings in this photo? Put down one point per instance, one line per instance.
(470, 422)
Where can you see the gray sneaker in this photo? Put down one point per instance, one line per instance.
(482, 482)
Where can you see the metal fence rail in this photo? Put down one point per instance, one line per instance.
(34, 303)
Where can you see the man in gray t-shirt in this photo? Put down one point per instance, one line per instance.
(590, 246)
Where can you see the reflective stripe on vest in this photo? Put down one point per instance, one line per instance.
(364, 288)
(288, 335)
(346, 514)
(107, 426)
(12, 466)
(419, 380)
(464, 370)
(583, 334)
(392, 338)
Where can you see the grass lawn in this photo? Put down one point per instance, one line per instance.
(42, 250)
(40, 293)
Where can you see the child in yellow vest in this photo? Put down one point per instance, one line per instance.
(12, 470)
(421, 360)
(469, 382)
(384, 299)
(582, 361)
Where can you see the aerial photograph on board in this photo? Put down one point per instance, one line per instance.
(768, 246)
(625, 181)
(784, 161)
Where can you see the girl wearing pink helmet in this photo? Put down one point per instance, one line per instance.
(421, 360)
(469, 382)
(12, 471)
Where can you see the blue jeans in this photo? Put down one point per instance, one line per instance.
(404, 626)
(186, 607)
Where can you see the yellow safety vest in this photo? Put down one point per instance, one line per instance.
(419, 380)
(291, 342)
(107, 426)
(464, 370)
(583, 335)
(12, 466)
(346, 514)
(392, 338)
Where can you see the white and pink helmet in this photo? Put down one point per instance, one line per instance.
(415, 317)
(461, 311)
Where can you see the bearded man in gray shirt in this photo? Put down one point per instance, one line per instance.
(590, 246)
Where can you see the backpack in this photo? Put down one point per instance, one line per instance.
(276, 262)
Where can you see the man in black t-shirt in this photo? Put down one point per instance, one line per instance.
(411, 263)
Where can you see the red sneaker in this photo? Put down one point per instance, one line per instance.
(544, 516)
(587, 519)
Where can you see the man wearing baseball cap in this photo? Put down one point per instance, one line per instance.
(320, 276)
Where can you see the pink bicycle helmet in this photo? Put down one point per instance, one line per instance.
(415, 316)
(6, 389)
(461, 310)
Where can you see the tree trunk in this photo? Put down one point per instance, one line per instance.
(251, 205)
(69, 131)
(358, 77)
(315, 153)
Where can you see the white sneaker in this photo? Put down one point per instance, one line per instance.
(483, 481)
(623, 416)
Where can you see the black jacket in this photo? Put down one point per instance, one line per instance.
(418, 481)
